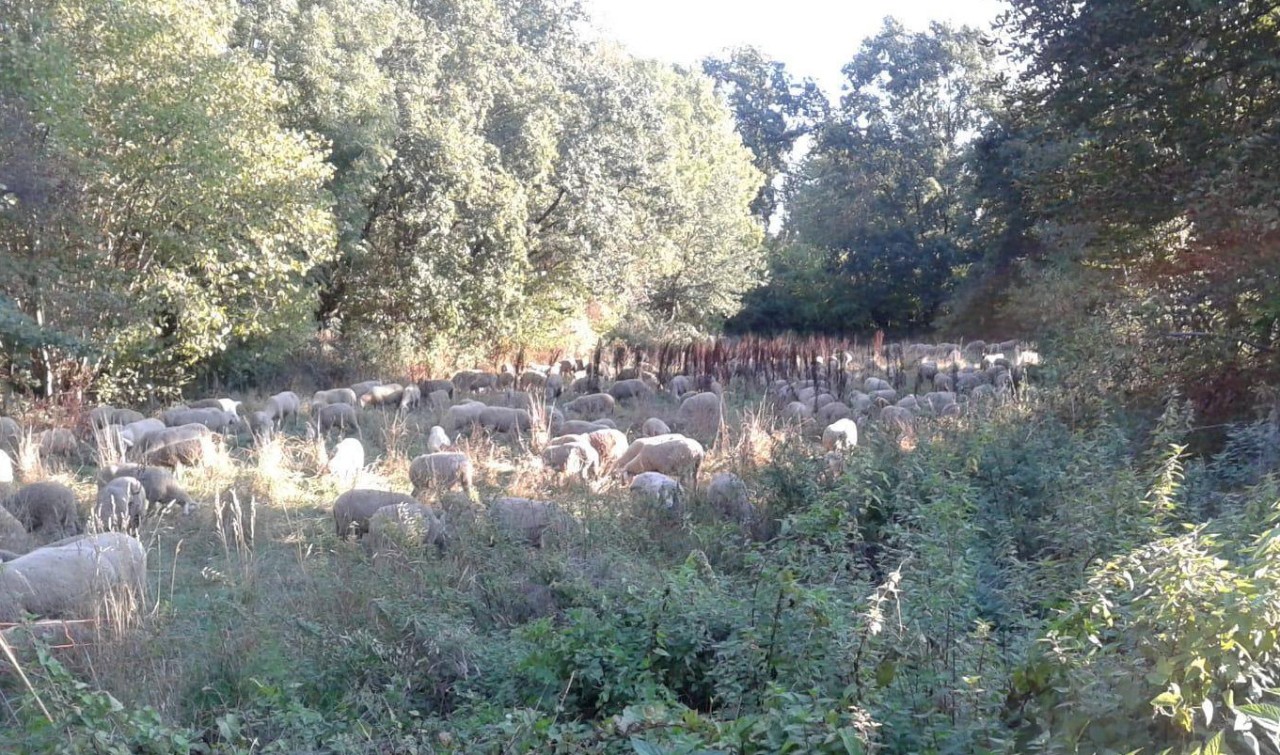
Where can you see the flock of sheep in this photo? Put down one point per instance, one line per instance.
(60, 558)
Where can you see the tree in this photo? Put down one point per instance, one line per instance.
(773, 112)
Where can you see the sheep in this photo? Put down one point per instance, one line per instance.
(135, 433)
(58, 442)
(463, 416)
(225, 404)
(518, 400)
(121, 504)
(579, 427)
(411, 398)
(654, 426)
(439, 400)
(464, 379)
(728, 497)
(909, 402)
(428, 387)
(46, 509)
(6, 468)
(216, 420)
(896, 418)
(353, 509)
(572, 455)
(672, 455)
(886, 396)
(943, 382)
(438, 440)
(341, 416)
(261, 425)
(406, 524)
(832, 412)
(554, 387)
(610, 444)
(283, 405)
(10, 433)
(527, 518)
(444, 468)
(186, 444)
(361, 388)
(503, 419)
(822, 399)
(797, 411)
(104, 416)
(73, 579)
(840, 435)
(861, 403)
(659, 489)
(158, 485)
(389, 394)
(631, 388)
(926, 371)
(13, 536)
(937, 401)
(699, 415)
(586, 384)
(873, 384)
(334, 396)
(347, 460)
(594, 404)
(530, 380)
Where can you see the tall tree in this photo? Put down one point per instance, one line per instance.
(773, 111)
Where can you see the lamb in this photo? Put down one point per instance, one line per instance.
(572, 455)
(353, 509)
(727, 495)
(527, 518)
(445, 469)
(406, 524)
(658, 488)
(503, 419)
(593, 404)
(121, 504)
(672, 455)
(58, 442)
(46, 509)
(389, 394)
(654, 426)
(158, 485)
(347, 460)
(840, 435)
(437, 440)
(341, 416)
(187, 444)
(72, 579)
(699, 415)
(631, 388)
(411, 398)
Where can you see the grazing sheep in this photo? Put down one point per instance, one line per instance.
(832, 412)
(10, 433)
(340, 416)
(463, 416)
(73, 579)
(654, 426)
(527, 518)
(658, 488)
(135, 433)
(728, 497)
(797, 411)
(579, 427)
(938, 401)
(586, 384)
(347, 460)
(284, 405)
(873, 384)
(411, 398)
(121, 504)
(861, 403)
(6, 468)
(439, 400)
(926, 371)
(572, 455)
(896, 418)
(518, 400)
(444, 469)
(967, 381)
(463, 380)
(225, 404)
(437, 440)
(554, 387)
(822, 399)
(352, 509)
(943, 382)
(46, 509)
(429, 387)
(699, 416)
(887, 396)
(673, 455)
(363, 387)
(406, 524)
(592, 404)
(158, 484)
(389, 394)
(103, 417)
(261, 425)
(909, 402)
(58, 442)
(530, 381)
(610, 444)
(840, 435)
(631, 388)
(216, 420)
(187, 444)
(13, 536)
(983, 392)
(334, 396)
(504, 419)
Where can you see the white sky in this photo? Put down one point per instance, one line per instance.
(815, 38)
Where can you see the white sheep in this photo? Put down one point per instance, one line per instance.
(347, 460)
(592, 404)
(46, 509)
(353, 509)
(334, 396)
(411, 398)
(438, 440)
(657, 488)
(406, 524)
(700, 415)
(654, 426)
(727, 494)
(444, 469)
(840, 435)
(74, 579)
(572, 455)
(121, 504)
(673, 455)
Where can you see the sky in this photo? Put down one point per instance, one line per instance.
(815, 38)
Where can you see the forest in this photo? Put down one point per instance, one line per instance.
(990, 339)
